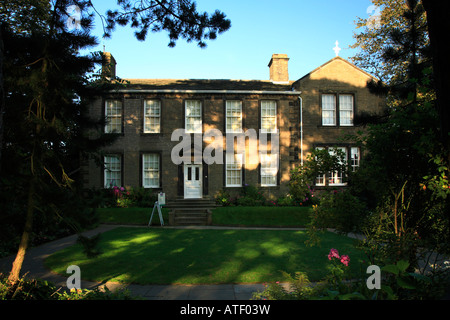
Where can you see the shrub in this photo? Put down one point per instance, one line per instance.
(33, 289)
(247, 201)
(223, 198)
(339, 210)
(90, 245)
(301, 191)
(286, 201)
(299, 289)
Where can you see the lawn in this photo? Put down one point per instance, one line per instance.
(181, 256)
(243, 216)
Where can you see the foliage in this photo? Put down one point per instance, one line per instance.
(247, 195)
(404, 177)
(121, 197)
(299, 289)
(33, 289)
(223, 198)
(333, 286)
(90, 245)
(178, 18)
(373, 39)
(49, 88)
(300, 186)
(397, 284)
(50, 84)
(250, 196)
(339, 210)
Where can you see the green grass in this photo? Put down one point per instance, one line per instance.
(242, 216)
(180, 256)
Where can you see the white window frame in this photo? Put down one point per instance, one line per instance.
(112, 170)
(269, 116)
(193, 116)
(346, 110)
(269, 170)
(151, 170)
(152, 116)
(233, 116)
(329, 110)
(113, 115)
(233, 170)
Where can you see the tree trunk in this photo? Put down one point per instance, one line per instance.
(2, 93)
(438, 29)
(24, 241)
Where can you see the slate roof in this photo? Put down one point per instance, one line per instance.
(205, 84)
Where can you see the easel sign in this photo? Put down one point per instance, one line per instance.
(161, 201)
(162, 198)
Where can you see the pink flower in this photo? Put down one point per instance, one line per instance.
(333, 254)
(345, 260)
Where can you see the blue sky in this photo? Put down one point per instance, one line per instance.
(305, 30)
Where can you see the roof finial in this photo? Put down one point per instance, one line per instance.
(337, 49)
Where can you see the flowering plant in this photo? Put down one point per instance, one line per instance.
(338, 267)
(335, 254)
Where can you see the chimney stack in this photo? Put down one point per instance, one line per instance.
(109, 65)
(279, 68)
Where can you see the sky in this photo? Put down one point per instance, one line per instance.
(305, 30)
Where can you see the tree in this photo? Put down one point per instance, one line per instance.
(438, 26)
(46, 88)
(374, 38)
(179, 18)
(404, 147)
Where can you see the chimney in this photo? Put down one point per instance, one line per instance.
(279, 68)
(108, 65)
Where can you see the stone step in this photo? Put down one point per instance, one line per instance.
(190, 216)
(191, 211)
(191, 202)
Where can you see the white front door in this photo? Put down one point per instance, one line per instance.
(192, 181)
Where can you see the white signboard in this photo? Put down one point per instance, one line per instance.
(161, 199)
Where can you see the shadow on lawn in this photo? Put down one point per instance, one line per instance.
(170, 256)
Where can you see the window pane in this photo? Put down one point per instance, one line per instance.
(193, 117)
(113, 114)
(152, 112)
(268, 116)
(150, 168)
(320, 179)
(328, 109)
(233, 170)
(269, 170)
(346, 109)
(354, 158)
(112, 173)
(337, 176)
(234, 116)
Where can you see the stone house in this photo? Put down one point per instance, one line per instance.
(294, 116)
